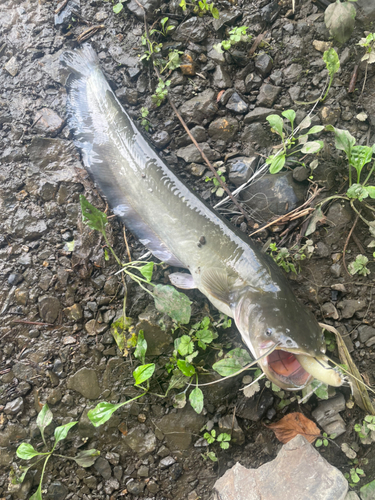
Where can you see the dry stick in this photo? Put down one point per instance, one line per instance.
(347, 243)
(127, 246)
(210, 166)
(61, 6)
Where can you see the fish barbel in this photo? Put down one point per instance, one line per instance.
(183, 231)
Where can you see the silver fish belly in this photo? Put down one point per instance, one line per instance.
(182, 230)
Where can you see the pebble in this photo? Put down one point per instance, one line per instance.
(191, 154)
(135, 487)
(229, 424)
(111, 485)
(103, 468)
(15, 278)
(48, 122)
(327, 415)
(196, 169)
(237, 104)
(350, 307)
(193, 29)
(56, 491)
(223, 128)
(221, 78)
(255, 411)
(85, 381)
(329, 311)
(264, 64)
(200, 108)
(242, 168)
(321, 46)
(366, 333)
(143, 471)
(12, 66)
(140, 442)
(49, 309)
(166, 462)
(14, 407)
(268, 95)
(161, 139)
(74, 313)
(259, 115)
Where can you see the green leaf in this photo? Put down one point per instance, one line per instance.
(224, 437)
(147, 270)
(70, 245)
(196, 399)
(332, 61)
(210, 439)
(169, 301)
(318, 443)
(340, 19)
(227, 366)
(38, 494)
(205, 336)
(360, 155)
(305, 123)
(140, 350)
(86, 458)
(118, 8)
(224, 445)
(277, 164)
(92, 217)
(178, 380)
(215, 13)
(312, 147)
(212, 456)
(62, 431)
(290, 115)
(368, 490)
(143, 373)
(316, 129)
(344, 141)
(179, 400)
(102, 412)
(44, 419)
(187, 369)
(117, 330)
(357, 192)
(241, 355)
(27, 451)
(185, 345)
(276, 123)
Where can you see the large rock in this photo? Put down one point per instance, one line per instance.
(298, 472)
(199, 108)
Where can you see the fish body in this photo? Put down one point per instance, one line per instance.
(182, 230)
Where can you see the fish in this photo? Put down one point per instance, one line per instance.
(182, 230)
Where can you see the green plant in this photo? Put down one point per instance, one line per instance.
(288, 259)
(289, 145)
(366, 431)
(154, 47)
(117, 8)
(236, 35)
(330, 341)
(201, 7)
(217, 188)
(353, 475)
(161, 92)
(223, 438)
(26, 451)
(144, 122)
(359, 266)
(324, 441)
(369, 44)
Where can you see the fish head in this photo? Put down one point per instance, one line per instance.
(284, 328)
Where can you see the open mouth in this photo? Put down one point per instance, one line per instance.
(286, 368)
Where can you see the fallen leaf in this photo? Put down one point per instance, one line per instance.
(219, 95)
(251, 389)
(291, 425)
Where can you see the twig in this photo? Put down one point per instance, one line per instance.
(127, 246)
(347, 243)
(210, 166)
(85, 35)
(61, 6)
(26, 322)
(256, 42)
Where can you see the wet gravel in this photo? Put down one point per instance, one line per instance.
(58, 304)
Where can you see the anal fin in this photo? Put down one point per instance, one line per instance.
(214, 281)
(182, 280)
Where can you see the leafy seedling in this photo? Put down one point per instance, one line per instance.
(353, 475)
(161, 92)
(340, 19)
(359, 266)
(144, 122)
(324, 440)
(201, 7)
(366, 431)
(236, 35)
(26, 451)
(217, 188)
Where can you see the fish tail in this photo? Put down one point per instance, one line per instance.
(80, 62)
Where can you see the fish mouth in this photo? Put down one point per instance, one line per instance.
(285, 369)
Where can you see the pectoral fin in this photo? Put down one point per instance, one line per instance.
(214, 281)
(182, 280)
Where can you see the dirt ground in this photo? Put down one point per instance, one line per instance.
(58, 304)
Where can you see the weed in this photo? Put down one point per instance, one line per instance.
(161, 92)
(236, 35)
(353, 475)
(223, 438)
(201, 7)
(287, 260)
(359, 266)
(217, 188)
(369, 44)
(26, 451)
(366, 431)
(339, 19)
(117, 8)
(330, 341)
(290, 145)
(144, 122)
(324, 441)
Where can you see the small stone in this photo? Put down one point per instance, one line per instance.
(167, 462)
(49, 309)
(111, 485)
(242, 168)
(259, 115)
(365, 333)
(264, 64)
(100, 16)
(14, 407)
(336, 269)
(237, 104)
(85, 381)
(268, 95)
(202, 107)
(12, 66)
(191, 154)
(229, 425)
(327, 415)
(223, 128)
(56, 491)
(111, 286)
(350, 307)
(139, 442)
(339, 287)
(69, 340)
(330, 115)
(91, 482)
(74, 313)
(48, 122)
(103, 468)
(163, 452)
(21, 296)
(135, 487)
(329, 311)
(143, 471)
(54, 397)
(255, 411)
(161, 139)
(92, 327)
(300, 174)
(321, 46)
(127, 95)
(152, 487)
(15, 278)
(196, 169)
(221, 78)
(193, 29)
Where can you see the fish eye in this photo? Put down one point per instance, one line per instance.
(269, 332)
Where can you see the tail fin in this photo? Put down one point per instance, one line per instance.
(80, 62)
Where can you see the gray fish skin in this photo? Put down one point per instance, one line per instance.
(170, 220)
